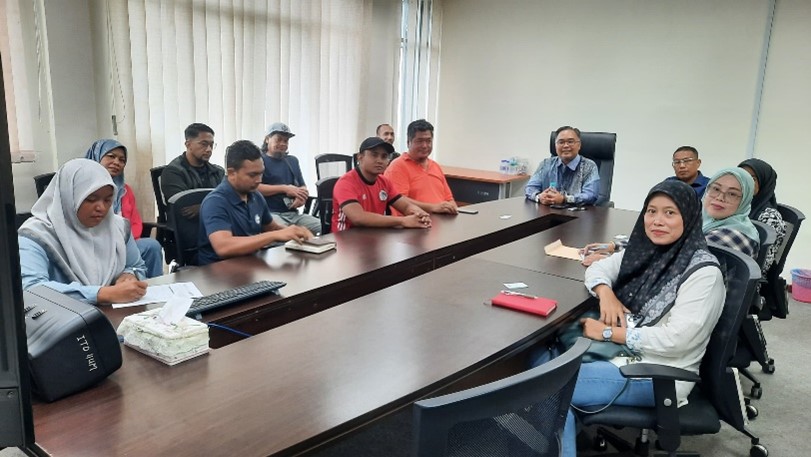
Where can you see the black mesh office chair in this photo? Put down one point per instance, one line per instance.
(164, 233)
(715, 398)
(599, 147)
(327, 165)
(185, 226)
(774, 290)
(324, 188)
(752, 343)
(522, 415)
(41, 182)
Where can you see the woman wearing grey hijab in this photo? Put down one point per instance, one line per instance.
(75, 245)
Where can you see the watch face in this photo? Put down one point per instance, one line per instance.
(608, 332)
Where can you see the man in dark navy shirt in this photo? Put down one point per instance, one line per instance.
(234, 217)
(282, 182)
(686, 164)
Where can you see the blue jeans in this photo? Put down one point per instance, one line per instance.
(152, 254)
(598, 383)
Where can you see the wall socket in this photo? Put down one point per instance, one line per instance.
(23, 156)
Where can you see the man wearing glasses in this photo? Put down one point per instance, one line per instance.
(192, 169)
(686, 164)
(567, 178)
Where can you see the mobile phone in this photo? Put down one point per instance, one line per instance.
(558, 206)
(576, 208)
(467, 211)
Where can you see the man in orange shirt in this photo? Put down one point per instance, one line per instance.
(418, 177)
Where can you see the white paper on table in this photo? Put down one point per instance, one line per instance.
(163, 293)
(174, 310)
(557, 249)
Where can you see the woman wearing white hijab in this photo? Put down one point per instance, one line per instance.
(75, 245)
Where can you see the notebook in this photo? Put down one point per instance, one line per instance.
(537, 305)
(315, 245)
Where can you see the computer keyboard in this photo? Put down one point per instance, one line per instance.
(231, 296)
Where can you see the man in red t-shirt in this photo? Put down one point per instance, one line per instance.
(361, 196)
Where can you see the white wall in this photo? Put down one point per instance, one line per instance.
(783, 137)
(658, 73)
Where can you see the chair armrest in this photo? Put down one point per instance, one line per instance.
(663, 372)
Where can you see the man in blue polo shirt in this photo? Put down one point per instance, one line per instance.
(234, 217)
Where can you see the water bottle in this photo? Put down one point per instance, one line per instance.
(504, 168)
(513, 166)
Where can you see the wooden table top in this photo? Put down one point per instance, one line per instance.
(301, 384)
(472, 174)
(315, 370)
(594, 225)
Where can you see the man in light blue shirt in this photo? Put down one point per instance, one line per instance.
(565, 179)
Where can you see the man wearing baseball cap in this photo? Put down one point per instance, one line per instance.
(282, 182)
(361, 196)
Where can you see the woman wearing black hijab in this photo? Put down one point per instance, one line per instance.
(672, 287)
(764, 204)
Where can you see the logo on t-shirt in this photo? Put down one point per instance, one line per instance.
(383, 195)
(257, 219)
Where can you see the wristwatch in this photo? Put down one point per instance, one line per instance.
(608, 332)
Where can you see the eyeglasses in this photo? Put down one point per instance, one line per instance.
(207, 144)
(565, 142)
(732, 196)
(677, 162)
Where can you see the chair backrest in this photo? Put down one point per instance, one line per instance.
(793, 219)
(599, 147)
(324, 188)
(718, 381)
(41, 182)
(523, 414)
(327, 165)
(156, 173)
(186, 226)
(767, 236)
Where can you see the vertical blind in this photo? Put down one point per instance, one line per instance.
(238, 66)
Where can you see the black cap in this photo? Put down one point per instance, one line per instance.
(373, 142)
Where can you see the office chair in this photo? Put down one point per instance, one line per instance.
(164, 233)
(523, 414)
(752, 343)
(41, 182)
(716, 397)
(327, 165)
(324, 188)
(599, 147)
(774, 290)
(186, 228)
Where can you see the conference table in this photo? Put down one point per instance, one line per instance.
(388, 318)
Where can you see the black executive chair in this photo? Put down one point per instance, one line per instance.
(715, 397)
(523, 414)
(41, 182)
(599, 147)
(184, 226)
(324, 188)
(774, 291)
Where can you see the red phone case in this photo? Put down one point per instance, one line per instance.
(540, 305)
